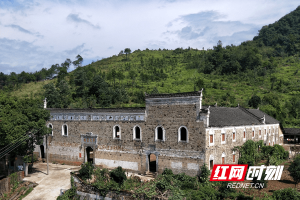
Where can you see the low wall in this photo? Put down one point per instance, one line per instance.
(5, 184)
(86, 191)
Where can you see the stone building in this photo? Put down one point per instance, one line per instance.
(173, 131)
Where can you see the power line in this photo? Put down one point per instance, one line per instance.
(15, 145)
(7, 146)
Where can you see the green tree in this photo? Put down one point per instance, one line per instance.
(20, 118)
(254, 101)
(294, 170)
(52, 95)
(127, 51)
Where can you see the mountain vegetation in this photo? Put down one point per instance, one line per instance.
(262, 73)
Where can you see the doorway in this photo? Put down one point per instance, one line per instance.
(90, 155)
(42, 151)
(152, 162)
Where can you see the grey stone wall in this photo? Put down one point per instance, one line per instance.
(180, 156)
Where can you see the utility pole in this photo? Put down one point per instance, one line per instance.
(47, 154)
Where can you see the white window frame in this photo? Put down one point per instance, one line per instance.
(156, 133)
(63, 131)
(211, 132)
(114, 132)
(51, 128)
(234, 131)
(134, 133)
(223, 132)
(245, 132)
(179, 134)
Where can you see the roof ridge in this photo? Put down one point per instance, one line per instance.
(249, 113)
(194, 93)
(265, 114)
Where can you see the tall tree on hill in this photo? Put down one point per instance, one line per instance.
(127, 51)
(79, 61)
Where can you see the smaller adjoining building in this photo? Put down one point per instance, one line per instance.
(291, 135)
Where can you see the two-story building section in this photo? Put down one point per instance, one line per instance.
(173, 131)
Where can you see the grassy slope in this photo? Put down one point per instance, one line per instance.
(181, 79)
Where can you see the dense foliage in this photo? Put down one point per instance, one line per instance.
(22, 122)
(251, 152)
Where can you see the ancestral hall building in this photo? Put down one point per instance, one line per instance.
(175, 129)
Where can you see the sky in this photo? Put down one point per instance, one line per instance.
(36, 34)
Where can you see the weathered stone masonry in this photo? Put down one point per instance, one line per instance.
(176, 128)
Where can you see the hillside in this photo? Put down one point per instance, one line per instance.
(252, 74)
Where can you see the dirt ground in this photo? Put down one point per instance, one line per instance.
(285, 182)
(49, 186)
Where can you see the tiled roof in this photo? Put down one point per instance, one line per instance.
(291, 131)
(260, 114)
(185, 94)
(223, 116)
(237, 116)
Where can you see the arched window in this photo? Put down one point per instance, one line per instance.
(137, 133)
(65, 130)
(116, 132)
(159, 133)
(50, 126)
(183, 134)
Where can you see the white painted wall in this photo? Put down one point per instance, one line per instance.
(116, 163)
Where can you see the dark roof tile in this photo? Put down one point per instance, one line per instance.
(291, 131)
(260, 114)
(222, 116)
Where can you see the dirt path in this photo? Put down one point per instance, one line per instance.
(49, 185)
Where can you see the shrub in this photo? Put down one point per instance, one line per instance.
(118, 175)
(184, 181)
(86, 171)
(287, 193)
(101, 174)
(167, 172)
(204, 176)
(225, 192)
